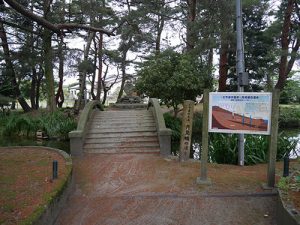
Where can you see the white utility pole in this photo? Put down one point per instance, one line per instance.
(240, 69)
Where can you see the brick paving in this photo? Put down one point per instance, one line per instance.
(142, 189)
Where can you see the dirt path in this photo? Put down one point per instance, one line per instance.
(143, 189)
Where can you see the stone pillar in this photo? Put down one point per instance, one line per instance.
(186, 130)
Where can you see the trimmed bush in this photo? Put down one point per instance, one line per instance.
(289, 117)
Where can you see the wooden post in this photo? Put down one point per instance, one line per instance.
(204, 151)
(273, 138)
(186, 130)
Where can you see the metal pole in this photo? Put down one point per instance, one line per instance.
(240, 68)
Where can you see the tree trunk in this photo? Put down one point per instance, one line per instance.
(82, 81)
(210, 61)
(223, 65)
(51, 104)
(11, 71)
(100, 68)
(38, 86)
(59, 98)
(191, 34)
(285, 45)
(126, 48)
(160, 27)
(123, 69)
(94, 73)
(104, 93)
(33, 88)
(60, 92)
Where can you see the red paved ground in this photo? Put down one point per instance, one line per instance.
(141, 189)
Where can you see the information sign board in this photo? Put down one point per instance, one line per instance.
(240, 112)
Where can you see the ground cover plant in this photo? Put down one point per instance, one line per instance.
(56, 125)
(290, 186)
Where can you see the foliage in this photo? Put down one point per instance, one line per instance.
(20, 125)
(223, 148)
(5, 101)
(283, 183)
(197, 125)
(175, 125)
(289, 116)
(57, 124)
(172, 77)
(291, 92)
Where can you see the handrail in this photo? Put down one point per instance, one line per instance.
(86, 113)
(77, 136)
(164, 134)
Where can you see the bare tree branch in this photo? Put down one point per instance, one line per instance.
(56, 28)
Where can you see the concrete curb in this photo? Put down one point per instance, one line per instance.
(164, 134)
(286, 214)
(54, 206)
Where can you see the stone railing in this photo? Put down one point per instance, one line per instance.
(77, 136)
(164, 134)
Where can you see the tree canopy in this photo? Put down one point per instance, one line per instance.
(123, 39)
(173, 77)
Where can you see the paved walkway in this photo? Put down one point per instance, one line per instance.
(145, 189)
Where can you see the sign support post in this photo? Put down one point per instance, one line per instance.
(273, 139)
(204, 151)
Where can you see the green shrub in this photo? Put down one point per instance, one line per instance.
(289, 117)
(197, 125)
(57, 124)
(223, 148)
(20, 125)
(175, 125)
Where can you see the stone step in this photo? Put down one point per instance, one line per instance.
(119, 122)
(150, 144)
(122, 126)
(121, 135)
(136, 139)
(125, 112)
(122, 117)
(130, 106)
(122, 150)
(123, 130)
(123, 121)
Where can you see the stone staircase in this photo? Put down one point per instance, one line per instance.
(122, 131)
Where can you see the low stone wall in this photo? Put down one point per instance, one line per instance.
(77, 136)
(285, 213)
(164, 134)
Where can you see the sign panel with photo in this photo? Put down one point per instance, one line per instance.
(240, 112)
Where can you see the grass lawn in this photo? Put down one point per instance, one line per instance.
(26, 184)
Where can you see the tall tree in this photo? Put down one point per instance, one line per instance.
(10, 69)
(49, 29)
(191, 32)
(286, 40)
